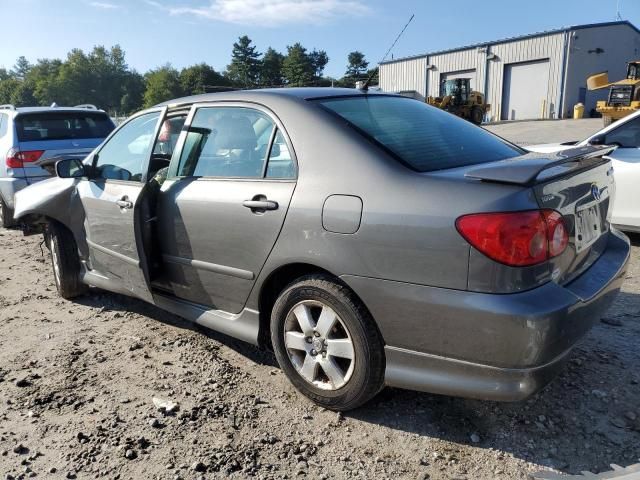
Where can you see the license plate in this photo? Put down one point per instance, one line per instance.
(588, 227)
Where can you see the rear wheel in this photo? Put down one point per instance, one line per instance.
(606, 120)
(6, 215)
(65, 261)
(327, 343)
(477, 115)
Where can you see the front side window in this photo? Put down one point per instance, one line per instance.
(231, 142)
(124, 156)
(626, 135)
(423, 137)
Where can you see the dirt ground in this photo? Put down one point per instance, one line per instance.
(78, 379)
(78, 382)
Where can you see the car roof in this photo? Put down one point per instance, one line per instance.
(302, 93)
(20, 110)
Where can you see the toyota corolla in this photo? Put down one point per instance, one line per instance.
(369, 239)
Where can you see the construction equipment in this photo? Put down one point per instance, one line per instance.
(624, 95)
(458, 98)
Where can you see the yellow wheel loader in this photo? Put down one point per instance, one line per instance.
(459, 99)
(624, 95)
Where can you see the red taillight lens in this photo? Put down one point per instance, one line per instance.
(17, 159)
(516, 238)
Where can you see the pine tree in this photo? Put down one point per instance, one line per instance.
(244, 67)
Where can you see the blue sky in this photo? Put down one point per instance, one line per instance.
(184, 32)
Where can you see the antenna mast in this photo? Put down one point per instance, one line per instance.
(365, 87)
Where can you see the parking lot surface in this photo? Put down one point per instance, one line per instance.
(78, 382)
(546, 131)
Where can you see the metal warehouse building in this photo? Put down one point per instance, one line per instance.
(542, 75)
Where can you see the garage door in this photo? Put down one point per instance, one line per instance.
(524, 89)
(460, 74)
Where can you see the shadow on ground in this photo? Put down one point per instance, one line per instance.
(581, 421)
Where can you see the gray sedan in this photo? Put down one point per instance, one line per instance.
(369, 239)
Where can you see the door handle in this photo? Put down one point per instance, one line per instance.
(260, 205)
(124, 203)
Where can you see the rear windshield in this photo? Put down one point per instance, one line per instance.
(423, 137)
(62, 126)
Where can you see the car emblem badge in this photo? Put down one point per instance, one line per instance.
(595, 191)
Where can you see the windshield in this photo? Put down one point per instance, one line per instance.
(62, 126)
(423, 137)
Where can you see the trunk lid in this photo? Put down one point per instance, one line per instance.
(578, 183)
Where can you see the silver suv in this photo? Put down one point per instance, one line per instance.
(32, 138)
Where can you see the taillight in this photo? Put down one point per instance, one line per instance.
(17, 159)
(516, 238)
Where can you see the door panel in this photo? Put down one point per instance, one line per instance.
(626, 171)
(110, 201)
(213, 245)
(110, 231)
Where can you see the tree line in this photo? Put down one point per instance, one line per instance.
(103, 78)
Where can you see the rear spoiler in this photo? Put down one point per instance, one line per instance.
(525, 169)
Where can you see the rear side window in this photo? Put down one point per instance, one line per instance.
(230, 142)
(62, 126)
(423, 137)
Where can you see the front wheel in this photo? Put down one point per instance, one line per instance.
(327, 343)
(6, 215)
(477, 115)
(65, 261)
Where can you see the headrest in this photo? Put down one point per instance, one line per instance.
(235, 133)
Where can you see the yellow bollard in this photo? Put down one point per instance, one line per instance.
(578, 111)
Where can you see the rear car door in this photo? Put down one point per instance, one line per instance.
(626, 168)
(111, 197)
(222, 208)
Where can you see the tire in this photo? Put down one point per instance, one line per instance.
(6, 215)
(606, 120)
(65, 261)
(338, 326)
(476, 115)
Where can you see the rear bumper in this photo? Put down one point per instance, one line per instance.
(488, 346)
(8, 188)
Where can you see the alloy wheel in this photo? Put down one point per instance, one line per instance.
(319, 345)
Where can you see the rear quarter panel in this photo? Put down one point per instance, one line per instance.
(407, 231)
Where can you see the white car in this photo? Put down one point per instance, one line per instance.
(624, 133)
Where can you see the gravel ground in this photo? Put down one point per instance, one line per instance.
(78, 382)
(546, 131)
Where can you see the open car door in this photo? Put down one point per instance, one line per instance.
(111, 199)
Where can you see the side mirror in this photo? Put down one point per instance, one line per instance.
(70, 168)
(598, 140)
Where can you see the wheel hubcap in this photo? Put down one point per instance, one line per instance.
(319, 345)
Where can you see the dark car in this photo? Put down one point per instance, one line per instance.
(369, 239)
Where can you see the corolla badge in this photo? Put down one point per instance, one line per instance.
(595, 191)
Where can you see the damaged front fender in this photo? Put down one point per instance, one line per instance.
(53, 199)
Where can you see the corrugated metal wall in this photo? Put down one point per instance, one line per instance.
(526, 50)
(453, 62)
(411, 74)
